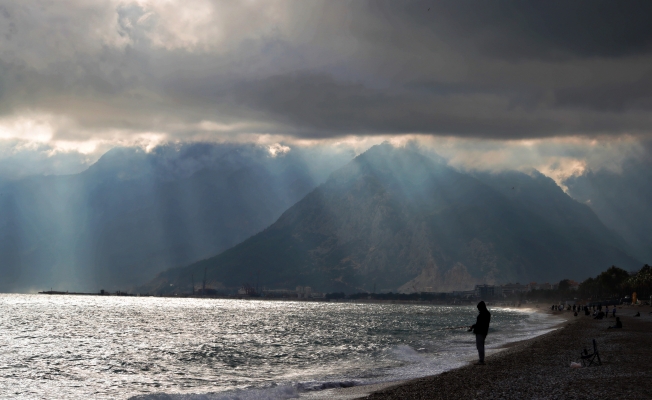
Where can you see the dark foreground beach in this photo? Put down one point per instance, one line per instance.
(540, 368)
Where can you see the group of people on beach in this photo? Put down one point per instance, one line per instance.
(597, 312)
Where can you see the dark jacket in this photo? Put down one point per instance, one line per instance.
(481, 326)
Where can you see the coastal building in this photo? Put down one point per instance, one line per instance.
(304, 292)
(485, 291)
(514, 288)
(247, 290)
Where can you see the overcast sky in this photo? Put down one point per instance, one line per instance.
(556, 85)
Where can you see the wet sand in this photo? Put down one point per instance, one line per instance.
(539, 368)
(354, 392)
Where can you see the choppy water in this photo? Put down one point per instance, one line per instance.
(119, 347)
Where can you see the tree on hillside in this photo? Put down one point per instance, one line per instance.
(564, 285)
(641, 282)
(610, 283)
(590, 288)
(613, 280)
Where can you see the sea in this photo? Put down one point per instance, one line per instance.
(108, 347)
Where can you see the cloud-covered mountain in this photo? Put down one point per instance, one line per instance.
(622, 200)
(556, 86)
(398, 220)
(134, 213)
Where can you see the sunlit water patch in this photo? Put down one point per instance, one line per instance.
(159, 348)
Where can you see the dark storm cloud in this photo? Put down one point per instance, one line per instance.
(543, 29)
(613, 96)
(317, 105)
(499, 70)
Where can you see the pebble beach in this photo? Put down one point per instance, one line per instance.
(540, 368)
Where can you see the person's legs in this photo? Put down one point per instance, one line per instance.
(479, 343)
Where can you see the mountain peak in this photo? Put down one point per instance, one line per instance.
(395, 218)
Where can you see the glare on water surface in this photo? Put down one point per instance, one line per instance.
(116, 347)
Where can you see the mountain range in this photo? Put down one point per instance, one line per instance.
(135, 213)
(397, 220)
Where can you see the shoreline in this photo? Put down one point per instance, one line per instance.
(451, 303)
(540, 367)
(362, 391)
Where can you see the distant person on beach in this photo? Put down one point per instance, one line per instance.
(613, 312)
(481, 329)
(618, 325)
(599, 316)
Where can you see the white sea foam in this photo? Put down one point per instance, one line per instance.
(536, 324)
(273, 393)
(459, 349)
(436, 358)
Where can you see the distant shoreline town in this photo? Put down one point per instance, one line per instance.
(613, 286)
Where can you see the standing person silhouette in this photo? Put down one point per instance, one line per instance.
(480, 329)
